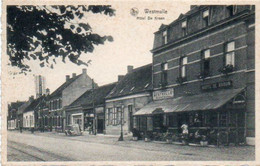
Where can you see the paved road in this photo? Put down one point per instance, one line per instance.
(54, 147)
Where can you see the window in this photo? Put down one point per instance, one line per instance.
(230, 53)
(184, 28)
(164, 68)
(119, 115)
(205, 63)
(206, 17)
(110, 116)
(183, 62)
(165, 37)
(114, 117)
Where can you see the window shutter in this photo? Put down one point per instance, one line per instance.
(107, 114)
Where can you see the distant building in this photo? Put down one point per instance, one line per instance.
(12, 118)
(40, 85)
(64, 95)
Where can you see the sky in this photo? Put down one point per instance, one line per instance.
(133, 40)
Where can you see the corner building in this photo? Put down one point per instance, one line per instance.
(204, 69)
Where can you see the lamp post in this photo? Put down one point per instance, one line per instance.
(121, 138)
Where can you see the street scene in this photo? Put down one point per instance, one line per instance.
(58, 147)
(186, 92)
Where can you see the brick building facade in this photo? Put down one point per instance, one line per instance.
(208, 51)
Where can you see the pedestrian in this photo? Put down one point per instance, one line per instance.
(21, 129)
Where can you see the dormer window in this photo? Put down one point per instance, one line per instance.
(184, 28)
(164, 37)
(206, 17)
(232, 9)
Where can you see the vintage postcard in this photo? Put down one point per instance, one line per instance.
(129, 82)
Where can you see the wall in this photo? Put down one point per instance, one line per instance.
(27, 123)
(137, 103)
(76, 89)
(243, 34)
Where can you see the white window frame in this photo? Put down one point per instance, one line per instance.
(184, 61)
(230, 53)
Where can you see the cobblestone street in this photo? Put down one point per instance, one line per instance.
(58, 147)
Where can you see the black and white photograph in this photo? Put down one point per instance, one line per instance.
(128, 83)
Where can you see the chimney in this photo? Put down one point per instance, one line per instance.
(47, 91)
(130, 68)
(67, 77)
(84, 71)
(120, 77)
(73, 75)
(31, 98)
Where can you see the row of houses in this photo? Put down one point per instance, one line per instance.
(202, 74)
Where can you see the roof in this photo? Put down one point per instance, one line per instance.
(99, 93)
(58, 91)
(194, 9)
(23, 107)
(16, 105)
(33, 104)
(205, 101)
(139, 80)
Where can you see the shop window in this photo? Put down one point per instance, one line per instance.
(164, 76)
(164, 37)
(223, 119)
(171, 121)
(158, 121)
(184, 28)
(206, 17)
(183, 63)
(143, 123)
(230, 53)
(205, 62)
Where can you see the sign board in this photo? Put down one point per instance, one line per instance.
(163, 94)
(217, 85)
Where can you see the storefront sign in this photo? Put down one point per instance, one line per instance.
(218, 85)
(163, 94)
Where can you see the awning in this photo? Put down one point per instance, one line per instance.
(204, 101)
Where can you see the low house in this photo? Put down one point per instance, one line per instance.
(132, 92)
(30, 113)
(21, 110)
(89, 109)
(12, 118)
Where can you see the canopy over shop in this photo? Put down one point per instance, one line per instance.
(216, 112)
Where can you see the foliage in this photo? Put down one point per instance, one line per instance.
(45, 33)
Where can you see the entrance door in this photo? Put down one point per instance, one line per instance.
(100, 125)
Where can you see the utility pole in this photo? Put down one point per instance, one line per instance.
(94, 111)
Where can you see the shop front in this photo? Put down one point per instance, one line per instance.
(217, 117)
